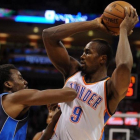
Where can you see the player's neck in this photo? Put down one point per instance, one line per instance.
(96, 76)
(7, 91)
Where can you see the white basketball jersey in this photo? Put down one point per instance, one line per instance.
(85, 117)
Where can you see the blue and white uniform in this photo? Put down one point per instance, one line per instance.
(12, 129)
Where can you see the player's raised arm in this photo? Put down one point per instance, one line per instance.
(120, 80)
(55, 49)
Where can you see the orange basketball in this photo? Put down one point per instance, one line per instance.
(114, 14)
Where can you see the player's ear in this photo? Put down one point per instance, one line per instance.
(8, 84)
(103, 59)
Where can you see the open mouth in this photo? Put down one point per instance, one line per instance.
(82, 63)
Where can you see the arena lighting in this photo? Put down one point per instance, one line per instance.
(45, 17)
(67, 42)
(127, 119)
(33, 19)
(90, 33)
(4, 35)
(115, 120)
(35, 29)
(33, 36)
(68, 18)
(6, 12)
(130, 115)
(50, 17)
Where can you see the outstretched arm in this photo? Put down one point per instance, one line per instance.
(120, 80)
(29, 97)
(49, 131)
(55, 49)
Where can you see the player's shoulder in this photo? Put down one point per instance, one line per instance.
(75, 74)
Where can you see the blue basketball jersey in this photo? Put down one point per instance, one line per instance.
(11, 129)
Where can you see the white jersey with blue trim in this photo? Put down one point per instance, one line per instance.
(85, 117)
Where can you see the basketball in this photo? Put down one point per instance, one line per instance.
(114, 14)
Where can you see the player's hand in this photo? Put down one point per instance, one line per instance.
(56, 115)
(52, 107)
(129, 21)
(101, 26)
(51, 115)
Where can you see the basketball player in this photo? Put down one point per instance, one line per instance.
(49, 131)
(97, 95)
(51, 120)
(16, 99)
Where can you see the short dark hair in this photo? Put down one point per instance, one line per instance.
(104, 48)
(5, 74)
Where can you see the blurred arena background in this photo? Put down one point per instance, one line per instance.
(21, 26)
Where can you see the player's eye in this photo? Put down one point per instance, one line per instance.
(87, 51)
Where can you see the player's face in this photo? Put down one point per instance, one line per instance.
(90, 60)
(17, 81)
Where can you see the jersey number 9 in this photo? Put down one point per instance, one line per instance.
(76, 114)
